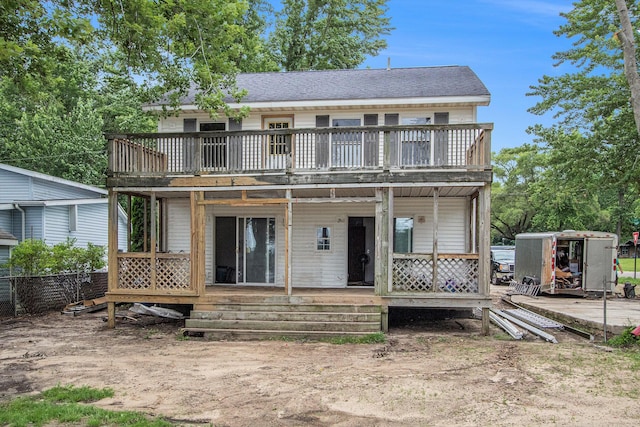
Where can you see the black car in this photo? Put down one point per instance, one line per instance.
(503, 261)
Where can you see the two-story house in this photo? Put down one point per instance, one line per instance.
(349, 188)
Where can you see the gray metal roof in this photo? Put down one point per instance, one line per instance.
(422, 82)
(51, 178)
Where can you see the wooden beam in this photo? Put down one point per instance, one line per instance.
(484, 233)
(434, 277)
(112, 254)
(194, 249)
(153, 237)
(244, 201)
(145, 247)
(281, 201)
(202, 225)
(288, 224)
(382, 255)
(129, 223)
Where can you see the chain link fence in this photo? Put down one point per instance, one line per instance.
(42, 294)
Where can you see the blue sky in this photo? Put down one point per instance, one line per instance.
(508, 43)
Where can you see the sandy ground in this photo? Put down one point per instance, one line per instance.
(427, 373)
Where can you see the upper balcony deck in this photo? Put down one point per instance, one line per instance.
(451, 149)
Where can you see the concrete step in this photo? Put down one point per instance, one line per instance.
(284, 325)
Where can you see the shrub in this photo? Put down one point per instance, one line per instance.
(34, 258)
(31, 257)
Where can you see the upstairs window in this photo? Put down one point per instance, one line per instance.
(415, 144)
(214, 149)
(278, 143)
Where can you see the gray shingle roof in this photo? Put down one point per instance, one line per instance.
(5, 235)
(421, 82)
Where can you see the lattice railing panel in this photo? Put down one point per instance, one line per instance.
(134, 273)
(458, 275)
(173, 274)
(412, 274)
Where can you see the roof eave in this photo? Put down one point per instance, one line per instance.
(475, 100)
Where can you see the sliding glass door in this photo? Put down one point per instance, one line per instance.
(257, 250)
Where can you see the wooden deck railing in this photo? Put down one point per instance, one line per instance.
(166, 273)
(455, 273)
(304, 150)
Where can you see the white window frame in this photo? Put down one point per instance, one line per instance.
(73, 217)
(410, 141)
(323, 242)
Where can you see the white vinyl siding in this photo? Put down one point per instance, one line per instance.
(328, 269)
(179, 225)
(305, 155)
(452, 226)
(313, 268)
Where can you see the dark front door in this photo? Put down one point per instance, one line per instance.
(360, 260)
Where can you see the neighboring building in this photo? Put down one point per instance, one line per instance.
(34, 205)
(348, 187)
(627, 249)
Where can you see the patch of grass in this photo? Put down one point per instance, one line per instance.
(65, 405)
(625, 340)
(627, 265)
(73, 394)
(377, 338)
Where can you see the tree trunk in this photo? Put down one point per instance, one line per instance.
(627, 40)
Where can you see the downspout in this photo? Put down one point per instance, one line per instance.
(24, 221)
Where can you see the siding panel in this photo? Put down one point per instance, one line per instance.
(14, 187)
(47, 190)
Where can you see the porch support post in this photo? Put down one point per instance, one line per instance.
(197, 242)
(153, 236)
(484, 214)
(382, 266)
(112, 256)
(145, 235)
(129, 201)
(434, 278)
(288, 225)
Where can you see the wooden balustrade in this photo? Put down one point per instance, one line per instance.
(304, 150)
(456, 273)
(147, 273)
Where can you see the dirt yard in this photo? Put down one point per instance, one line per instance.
(428, 373)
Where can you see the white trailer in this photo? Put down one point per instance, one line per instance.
(567, 262)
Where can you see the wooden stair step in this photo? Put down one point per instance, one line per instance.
(284, 325)
(332, 316)
(261, 334)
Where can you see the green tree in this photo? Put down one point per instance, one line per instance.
(516, 171)
(169, 45)
(333, 34)
(590, 142)
(628, 37)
